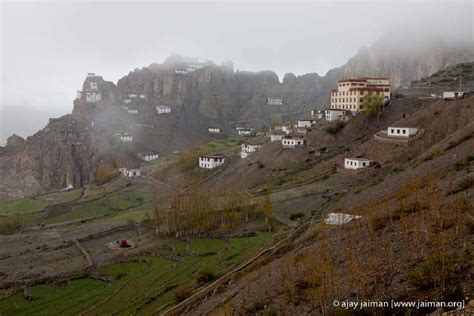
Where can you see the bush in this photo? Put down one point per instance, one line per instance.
(205, 276)
(296, 215)
(105, 172)
(183, 292)
(432, 272)
(10, 225)
(260, 164)
(336, 128)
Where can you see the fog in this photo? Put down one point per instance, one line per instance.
(48, 47)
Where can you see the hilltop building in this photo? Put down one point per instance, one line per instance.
(162, 109)
(350, 92)
(142, 96)
(132, 95)
(293, 141)
(274, 101)
(132, 111)
(190, 67)
(288, 127)
(357, 163)
(127, 101)
(211, 162)
(246, 149)
(93, 96)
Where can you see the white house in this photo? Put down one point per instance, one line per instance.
(243, 131)
(246, 149)
(163, 109)
(79, 94)
(288, 127)
(357, 163)
(274, 137)
(452, 95)
(127, 101)
(130, 172)
(306, 122)
(274, 101)
(214, 130)
(331, 114)
(93, 96)
(149, 156)
(401, 131)
(211, 162)
(93, 85)
(132, 95)
(132, 111)
(142, 96)
(125, 137)
(292, 142)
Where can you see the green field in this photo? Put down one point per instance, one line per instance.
(139, 287)
(21, 206)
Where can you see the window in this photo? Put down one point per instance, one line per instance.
(398, 131)
(404, 131)
(392, 131)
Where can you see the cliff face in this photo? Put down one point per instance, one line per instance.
(69, 149)
(403, 59)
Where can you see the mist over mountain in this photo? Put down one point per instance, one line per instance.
(24, 120)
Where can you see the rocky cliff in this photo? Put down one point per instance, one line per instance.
(68, 150)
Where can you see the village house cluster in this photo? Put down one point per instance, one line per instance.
(130, 172)
(90, 93)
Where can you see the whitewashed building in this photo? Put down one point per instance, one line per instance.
(125, 137)
(127, 101)
(401, 131)
(306, 122)
(211, 162)
(244, 131)
(331, 114)
(142, 96)
(132, 111)
(93, 96)
(214, 130)
(357, 163)
(93, 85)
(163, 109)
(276, 137)
(132, 95)
(79, 94)
(130, 172)
(149, 156)
(274, 101)
(288, 127)
(246, 149)
(292, 142)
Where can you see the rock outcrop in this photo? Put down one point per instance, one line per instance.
(200, 95)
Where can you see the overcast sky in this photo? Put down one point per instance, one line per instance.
(48, 47)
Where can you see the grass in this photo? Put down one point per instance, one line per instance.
(60, 197)
(138, 287)
(21, 206)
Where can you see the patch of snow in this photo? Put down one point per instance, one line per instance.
(340, 218)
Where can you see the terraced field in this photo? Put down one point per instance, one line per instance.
(140, 286)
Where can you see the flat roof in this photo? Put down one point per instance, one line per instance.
(358, 159)
(212, 156)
